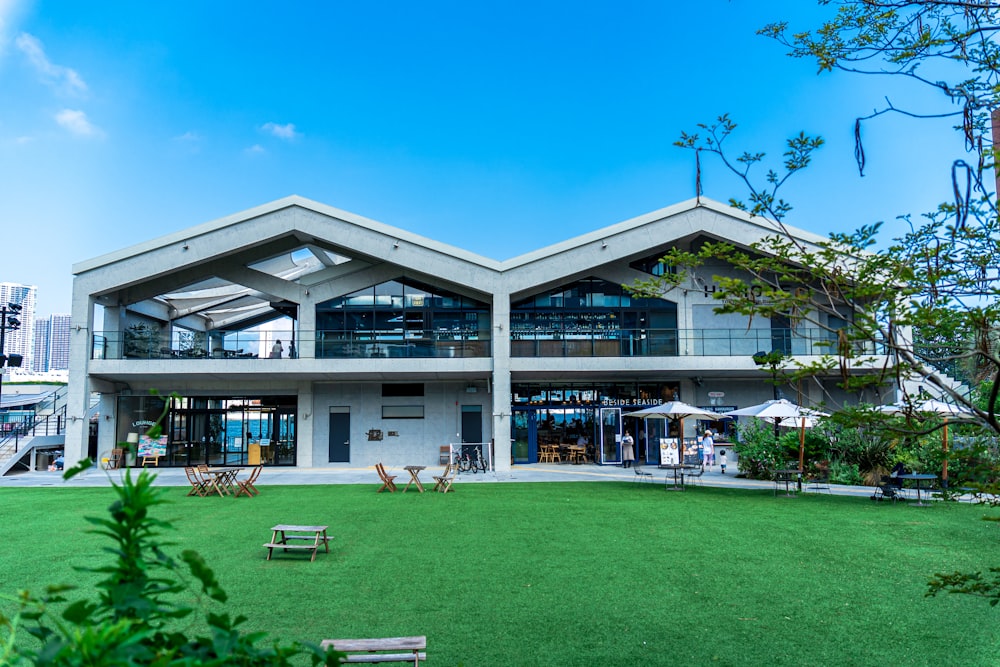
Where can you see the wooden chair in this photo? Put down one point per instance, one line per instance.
(117, 459)
(245, 486)
(443, 482)
(387, 479)
(199, 486)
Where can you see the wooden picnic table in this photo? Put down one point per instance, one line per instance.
(292, 536)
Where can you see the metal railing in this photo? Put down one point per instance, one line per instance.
(51, 423)
(577, 342)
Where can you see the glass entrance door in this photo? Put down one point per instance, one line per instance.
(611, 433)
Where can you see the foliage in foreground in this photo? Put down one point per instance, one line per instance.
(140, 615)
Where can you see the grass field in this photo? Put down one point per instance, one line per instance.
(570, 573)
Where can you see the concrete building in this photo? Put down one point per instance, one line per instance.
(52, 343)
(309, 336)
(21, 340)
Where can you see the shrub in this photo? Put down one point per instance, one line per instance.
(842, 472)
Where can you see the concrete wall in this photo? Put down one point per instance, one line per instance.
(418, 440)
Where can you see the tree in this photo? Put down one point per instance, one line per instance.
(928, 299)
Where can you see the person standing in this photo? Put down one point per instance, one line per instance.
(722, 460)
(276, 350)
(707, 450)
(628, 450)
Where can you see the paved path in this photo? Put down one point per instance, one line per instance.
(539, 472)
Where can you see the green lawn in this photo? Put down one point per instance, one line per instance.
(570, 573)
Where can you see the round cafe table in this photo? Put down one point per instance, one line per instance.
(918, 477)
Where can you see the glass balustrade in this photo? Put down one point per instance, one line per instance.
(345, 344)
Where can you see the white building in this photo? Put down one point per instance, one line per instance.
(51, 344)
(403, 344)
(21, 340)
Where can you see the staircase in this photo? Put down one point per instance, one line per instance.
(46, 431)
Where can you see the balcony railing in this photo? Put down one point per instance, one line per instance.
(676, 343)
(328, 344)
(338, 344)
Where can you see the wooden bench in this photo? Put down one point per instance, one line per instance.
(388, 649)
(284, 536)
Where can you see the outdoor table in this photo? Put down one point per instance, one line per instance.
(918, 477)
(678, 470)
(414, 479)
(786, 475)
(290, 536)
(223, 479)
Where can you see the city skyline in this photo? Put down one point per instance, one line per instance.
(498, 128)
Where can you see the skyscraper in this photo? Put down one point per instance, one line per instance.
(51, 344)
(40, 358)
(58, 342)
(20, 341)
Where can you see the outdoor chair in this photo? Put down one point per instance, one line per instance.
(443, 482)
(387, 479)
(819, 482)
(693, 476)
(199, 486)
(246, 486)
(641, 476)
(117, 459)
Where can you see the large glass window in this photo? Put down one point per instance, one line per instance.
(217, 430)
(592, 317)
(402, 318)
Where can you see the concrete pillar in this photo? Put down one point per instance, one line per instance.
(501, 392)
(78, 392)
(305, 426)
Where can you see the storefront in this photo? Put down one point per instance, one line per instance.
(248, 430)
(588, 415)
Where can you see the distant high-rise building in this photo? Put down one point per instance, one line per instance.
(59, 342)
(51, 346)
(20, 341)
(40, 360)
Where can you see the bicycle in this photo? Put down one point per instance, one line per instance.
(471, 459)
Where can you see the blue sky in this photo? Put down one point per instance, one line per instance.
(499, 127)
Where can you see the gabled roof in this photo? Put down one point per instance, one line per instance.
(237, 271)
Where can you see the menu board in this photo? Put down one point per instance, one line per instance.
(669, 455)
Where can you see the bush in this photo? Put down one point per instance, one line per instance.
(842, 472)
(757, 450)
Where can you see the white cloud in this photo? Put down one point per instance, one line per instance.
(76, 122)
(256, 149)
(63, 78)
(286, 132)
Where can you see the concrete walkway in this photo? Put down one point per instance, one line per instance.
(539, 472)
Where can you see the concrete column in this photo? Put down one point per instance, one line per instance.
(501, 393)
(78, 391)
(307, 329)
(304, 426)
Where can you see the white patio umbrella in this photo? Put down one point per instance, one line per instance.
(947, 412)
(674, 410)
(782, 412)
